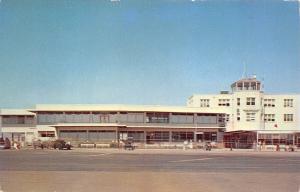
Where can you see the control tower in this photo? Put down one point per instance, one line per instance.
(246, 84)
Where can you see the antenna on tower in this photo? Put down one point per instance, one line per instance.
(245, 70)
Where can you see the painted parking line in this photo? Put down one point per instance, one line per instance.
(190, 160)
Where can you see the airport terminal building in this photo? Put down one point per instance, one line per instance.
(243, 116)
(252, 115)
(111, 123)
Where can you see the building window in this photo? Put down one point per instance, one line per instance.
(288, 117)
(238, 101)
(206, 119)
(204, 102)
(224, 102)
(269, 117)
(288, 102)
(46, 133)
(250, 101)
(182, 118)
(269, 102)
(157, 136)
(157, 118)
(238, 114)
(14, 119)
(250, 116)
(182, 136)
(224, 118)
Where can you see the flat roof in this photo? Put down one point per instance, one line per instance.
(131, 126)
(125, 108)
(87, 125)
(15, 112)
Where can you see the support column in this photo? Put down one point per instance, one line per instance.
(117, 137)
(145, 137)
(170, 136)
(87, 135)
(294, 139)
(57, 133)
(196, 126)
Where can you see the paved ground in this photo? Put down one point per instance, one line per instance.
(149, 170)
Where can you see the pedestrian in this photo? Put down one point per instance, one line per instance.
(191, 144)
(16, 145)
(259, 146)
(277, 147)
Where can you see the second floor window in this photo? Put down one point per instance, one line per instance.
(269, 102)
(204, 102)
(250, 116)
(288, 117)
(269, 117)
(238, 101)
(250, 101)
(224, 102)
(288, 102)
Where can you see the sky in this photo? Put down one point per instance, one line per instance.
(156, 52)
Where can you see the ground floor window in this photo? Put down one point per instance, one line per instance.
(137, 136)
(157, 136)
(76, 135)
(182, 136)
(274, 139)
(46, 133)
(210, 136)
(99, 135)
(88, 135)
(243, 140)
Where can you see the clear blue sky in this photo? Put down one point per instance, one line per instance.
(143, 52)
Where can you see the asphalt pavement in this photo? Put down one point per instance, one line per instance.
(133, 170)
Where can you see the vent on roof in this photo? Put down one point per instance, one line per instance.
(224, 92)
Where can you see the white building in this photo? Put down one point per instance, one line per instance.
(248, 108)
(18, 125)
(81, 124)
(246, 115)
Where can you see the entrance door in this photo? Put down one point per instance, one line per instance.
(199, 137)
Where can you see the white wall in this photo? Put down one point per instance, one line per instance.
(259, 124)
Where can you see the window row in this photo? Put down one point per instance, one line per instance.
(224, 102)
(19, 119)
(268, 117)
(249, 101)
(124, 117)
(271, 102)
(286, 117)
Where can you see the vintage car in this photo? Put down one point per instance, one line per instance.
(61, 144)
(5, 143)
(128, 144)
(208, 146)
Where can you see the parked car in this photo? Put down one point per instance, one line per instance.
(128, 144)
(5, 143)
(38, 144)
(208, 146)
(61, 144)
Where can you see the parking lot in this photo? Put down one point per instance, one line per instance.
(148, 170)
